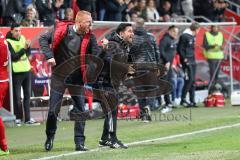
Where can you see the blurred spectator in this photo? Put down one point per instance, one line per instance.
(47, 10)
(88, 5)
(67, 3)
(219, 8)
(26, 3)
(152, 13)
(101, 9)
(3, 4)
(212, 9)
(14, 12)
(204, 8)
(134, 16)
(61, 11)
(140, 9)
(177, 6)
(31, 18)
(114, 9)
(165, 11)
(69, 15)
(126, 14)
(187, 7)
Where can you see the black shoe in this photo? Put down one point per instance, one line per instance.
(118, 144)
(80, 147)
(185, 103)
(49, 143)
(103, 143)
(146, 116)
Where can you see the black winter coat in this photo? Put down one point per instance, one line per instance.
(167, 48)
(144, 48)
(115, 61)
(186, 48)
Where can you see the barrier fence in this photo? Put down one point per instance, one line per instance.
(41, 73)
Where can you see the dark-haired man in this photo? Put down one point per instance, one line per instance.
(213, 51)
(19, 48)
(186, 50)
(115, 68)
(167, 49)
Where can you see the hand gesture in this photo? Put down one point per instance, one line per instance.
(104, 42)
(167, 66)
(51, 61)
(131, 70)
(27, 45)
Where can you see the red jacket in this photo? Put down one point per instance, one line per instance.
(3, 59)
(59, 34)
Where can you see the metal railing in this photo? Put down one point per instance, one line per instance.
(233, 6)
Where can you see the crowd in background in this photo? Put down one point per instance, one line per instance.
(33, 13)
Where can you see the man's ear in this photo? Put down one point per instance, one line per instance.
(120, 34)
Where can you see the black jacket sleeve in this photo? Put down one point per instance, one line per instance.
(118, 68)
(15, 56)
(162, 48)
(181, 48)
(94, 49)
(45, 40)
(156, 49)
(205, 43)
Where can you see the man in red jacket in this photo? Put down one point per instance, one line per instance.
(3, 91)
(70, 45)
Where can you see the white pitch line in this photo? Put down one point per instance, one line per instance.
(145, 141)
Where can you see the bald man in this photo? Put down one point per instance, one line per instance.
(71, 41)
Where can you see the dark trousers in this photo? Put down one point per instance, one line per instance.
(143, 102)
(56, 94)
(22, 80)
(110, 125)
(214, 69)
(168, 77)
(110, 121)
(189, 82)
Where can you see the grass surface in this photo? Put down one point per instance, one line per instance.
(27, 142)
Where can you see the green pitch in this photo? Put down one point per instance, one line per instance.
(27, 142)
